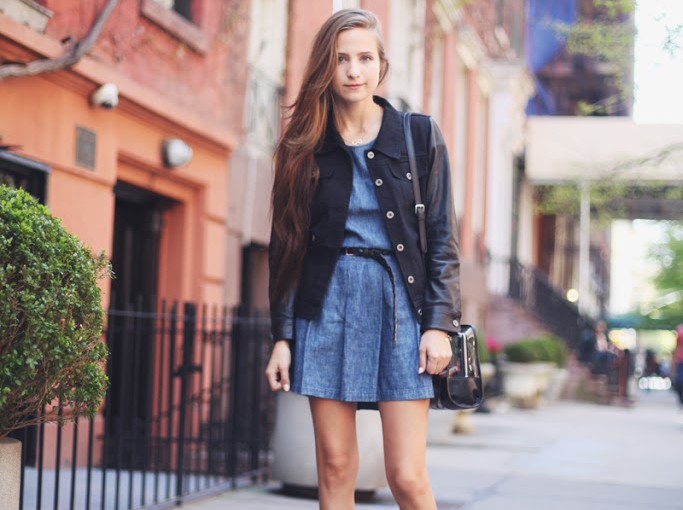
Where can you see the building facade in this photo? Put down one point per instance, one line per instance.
(179, 76)
(216, 77)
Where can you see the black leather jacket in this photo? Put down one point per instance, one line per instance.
(432, 279)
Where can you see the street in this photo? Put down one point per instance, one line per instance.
(565, 455)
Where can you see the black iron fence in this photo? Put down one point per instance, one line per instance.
(187, 412)
(532, 288)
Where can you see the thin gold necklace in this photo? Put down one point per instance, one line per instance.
(355, 141)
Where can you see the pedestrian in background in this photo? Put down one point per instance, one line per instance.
(678, 363)
(362, 312)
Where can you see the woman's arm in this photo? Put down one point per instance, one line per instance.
(281, 307)
(441, 309)
(282, 332)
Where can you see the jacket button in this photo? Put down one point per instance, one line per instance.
(399, 247)
(409, 176)
(379, 182)
(371, 155)
(411, 279)
(390, 214)
(419, 311)
(313, 237)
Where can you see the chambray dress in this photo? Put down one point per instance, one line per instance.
(348, 353)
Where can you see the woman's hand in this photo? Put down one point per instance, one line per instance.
(277, 370)
(435, 351)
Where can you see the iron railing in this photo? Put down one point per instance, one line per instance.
(187, 413)
(532, 289)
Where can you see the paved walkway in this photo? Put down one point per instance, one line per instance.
(563, 456)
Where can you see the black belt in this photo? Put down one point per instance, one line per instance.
(377, 254)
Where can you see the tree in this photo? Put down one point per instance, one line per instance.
(669, 281)
(73, 53)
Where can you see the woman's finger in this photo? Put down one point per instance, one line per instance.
(284, 377)
(271, 375)
(423, 360)
(432, 364)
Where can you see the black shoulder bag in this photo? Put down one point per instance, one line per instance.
(459, 386)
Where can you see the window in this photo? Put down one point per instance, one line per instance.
(24, 173)
(180, 18)
(182, 7)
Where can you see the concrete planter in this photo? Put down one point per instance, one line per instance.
(524, 383)
(544, 372)
(10, 473)
(556, 384)
(294, 446)
(488, 372)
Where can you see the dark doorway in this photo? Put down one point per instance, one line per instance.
(31, 176)
(130, 338)
(135, 257)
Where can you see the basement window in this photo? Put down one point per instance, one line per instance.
(27, 174)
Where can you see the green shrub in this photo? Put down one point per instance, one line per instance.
(520, 352)
(542, 349)
(484, 354)
(51, 316)
(558, 351)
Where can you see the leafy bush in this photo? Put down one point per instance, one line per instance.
(558, 351)
(51, 316)
(542, 349)
(520, 352)
(484, 354)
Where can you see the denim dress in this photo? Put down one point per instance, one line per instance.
(349, 352)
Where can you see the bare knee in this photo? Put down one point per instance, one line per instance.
(337, 470)
(408, 483)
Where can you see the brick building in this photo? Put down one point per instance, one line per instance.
(214, 74)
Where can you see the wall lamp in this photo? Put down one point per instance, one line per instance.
(175, 153)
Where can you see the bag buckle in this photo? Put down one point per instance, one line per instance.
(419, 209)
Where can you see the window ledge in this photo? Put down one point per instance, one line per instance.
(176, 25)
(27, 12)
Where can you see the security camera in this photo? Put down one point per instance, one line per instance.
(106, 96)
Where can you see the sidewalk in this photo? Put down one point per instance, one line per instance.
(564, 456)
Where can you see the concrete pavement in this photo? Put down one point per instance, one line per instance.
(565, 455)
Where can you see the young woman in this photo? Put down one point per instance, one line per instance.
(365, 312)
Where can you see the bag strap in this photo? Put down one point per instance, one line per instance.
(419, 205)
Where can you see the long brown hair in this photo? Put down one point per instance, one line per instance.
(296, 175)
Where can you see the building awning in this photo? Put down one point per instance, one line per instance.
(563, 149)
(19, 162)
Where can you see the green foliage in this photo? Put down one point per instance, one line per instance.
(669, 280)
(607, 39)
(614, 8)
(484, 354)
(607, 197)
(520, 352)
(51, 317)
(542, 349)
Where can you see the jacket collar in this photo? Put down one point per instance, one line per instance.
(389, 140)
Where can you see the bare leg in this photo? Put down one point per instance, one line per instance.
(336, 451)
(404, 425)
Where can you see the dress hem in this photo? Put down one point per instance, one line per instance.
(414, 394)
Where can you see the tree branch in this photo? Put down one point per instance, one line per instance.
(73, 54)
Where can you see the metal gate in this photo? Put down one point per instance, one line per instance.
(190, 413)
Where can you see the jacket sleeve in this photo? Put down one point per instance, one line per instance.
(281, 309)
(441, 308)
